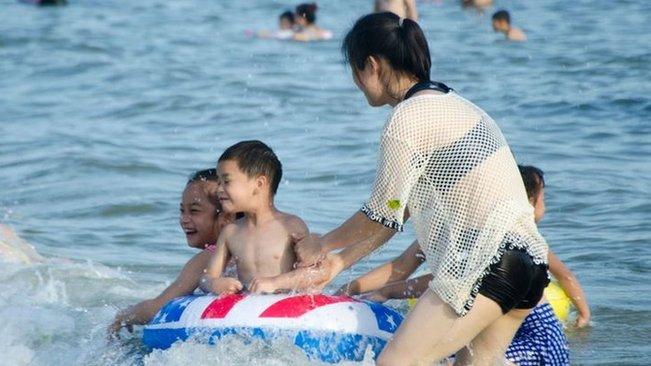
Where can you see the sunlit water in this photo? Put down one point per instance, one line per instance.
(107, 106)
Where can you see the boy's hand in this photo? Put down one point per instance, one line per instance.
(226, 286)
(308, 250)
(262, 285)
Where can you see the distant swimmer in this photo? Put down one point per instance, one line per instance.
(306, 20)
(402, 8)
(286, 27)
(45, 2)
(478, 4)
(502, 23)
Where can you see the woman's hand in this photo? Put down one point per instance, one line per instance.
(309, 250)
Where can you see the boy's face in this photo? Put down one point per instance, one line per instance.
(236, 190)
(198, 215)
(500, 25)
(539, 206)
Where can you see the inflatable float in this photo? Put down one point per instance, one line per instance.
(327, 328)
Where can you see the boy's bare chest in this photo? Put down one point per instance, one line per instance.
(260, 245)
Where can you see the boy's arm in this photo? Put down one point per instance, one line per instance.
(144, 311)
(213, 281)
(398, 269)
(571, 286)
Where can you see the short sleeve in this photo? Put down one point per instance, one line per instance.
(399, 168)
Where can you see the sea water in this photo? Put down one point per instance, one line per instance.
(107, 106)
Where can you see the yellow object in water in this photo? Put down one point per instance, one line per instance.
(557, 298)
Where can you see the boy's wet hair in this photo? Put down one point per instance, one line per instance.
(534, 180)
(288, 15)
(502, 15)
(206, 175)
(255, 158)
(400, 41)
(307, 11)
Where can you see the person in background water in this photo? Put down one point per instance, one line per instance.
(286, 27)
(306, 20)
(201, 220)
(477, 4)
(402, 8)
(502, 23)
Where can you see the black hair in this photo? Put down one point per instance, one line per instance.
(502, 15)
(206, 175)
(307, 11)
(400, 41)
(255, 158)
(534, 180)
(288, 15)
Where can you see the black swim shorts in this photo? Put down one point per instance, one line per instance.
(515, 282)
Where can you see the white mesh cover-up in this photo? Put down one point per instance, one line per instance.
(446, 162)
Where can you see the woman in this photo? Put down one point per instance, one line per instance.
(306, 20)
(444, 163)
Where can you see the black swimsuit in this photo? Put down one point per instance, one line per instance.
(515, 281)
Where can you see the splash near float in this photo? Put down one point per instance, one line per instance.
(327, 328)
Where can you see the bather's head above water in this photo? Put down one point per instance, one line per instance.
(200, 214)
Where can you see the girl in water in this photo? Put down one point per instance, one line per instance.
(444, 163)
(306, 20)
(201, 220)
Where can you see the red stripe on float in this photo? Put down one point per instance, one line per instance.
(220, 307)
(295, 306)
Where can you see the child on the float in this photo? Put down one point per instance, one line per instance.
(261, 242)
(540, 338)
(201, 220)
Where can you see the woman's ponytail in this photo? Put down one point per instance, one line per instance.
(400, 41)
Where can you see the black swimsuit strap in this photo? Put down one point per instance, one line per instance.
(427, 85)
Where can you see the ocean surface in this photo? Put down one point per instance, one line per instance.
(107, 106)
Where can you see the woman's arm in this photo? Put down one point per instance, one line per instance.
(398, 269)
(185, 284)
(358, 230)
(571, 286)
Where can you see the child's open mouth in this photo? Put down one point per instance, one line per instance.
(190, 232)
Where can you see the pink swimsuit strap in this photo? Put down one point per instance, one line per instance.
(211, 248)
